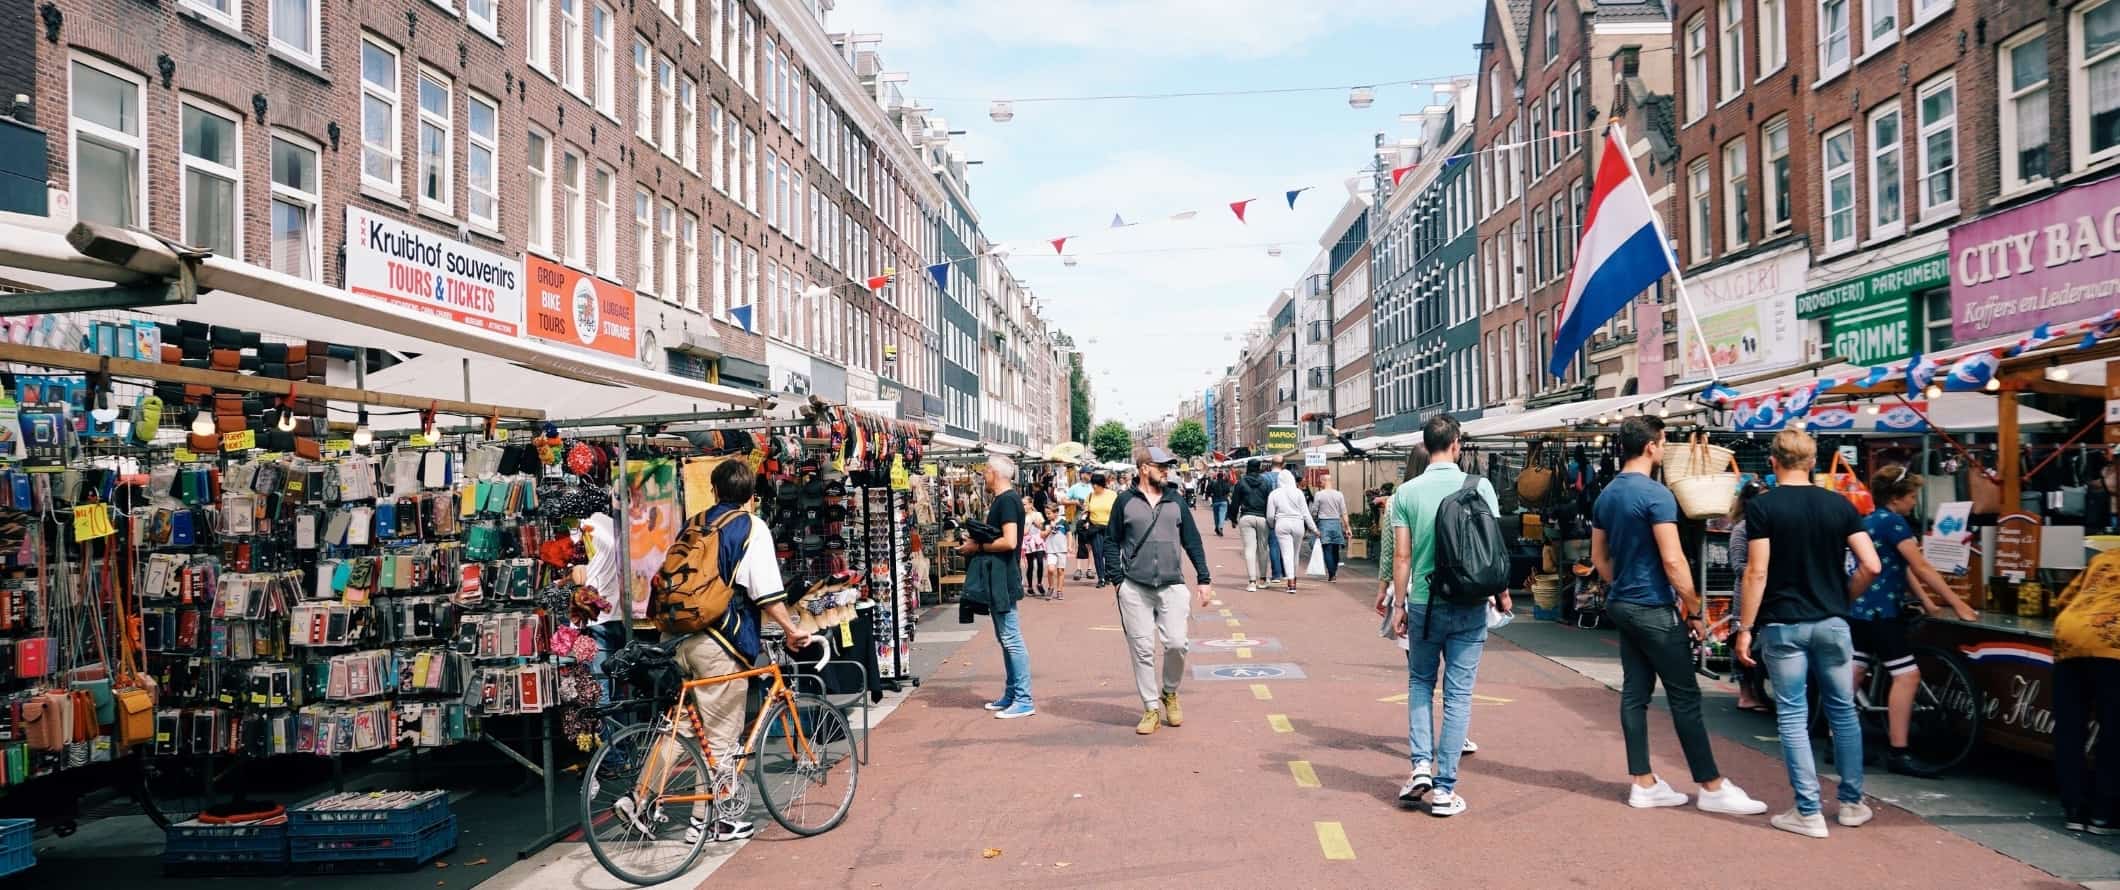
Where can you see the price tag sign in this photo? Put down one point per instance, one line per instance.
(240, 440)
(183, 455)
(92, 521)
(340, 445)
(421, 440)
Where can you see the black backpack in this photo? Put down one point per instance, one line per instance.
(1471, 558)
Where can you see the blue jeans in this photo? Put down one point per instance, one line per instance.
(1008, 629)
(1797, 654)
(1273, 551)
(1221, 512)
(1455, 634)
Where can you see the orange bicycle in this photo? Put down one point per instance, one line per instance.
(645, 785)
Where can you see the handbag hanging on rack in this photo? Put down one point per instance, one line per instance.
(1536, 482)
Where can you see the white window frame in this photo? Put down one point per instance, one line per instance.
(1926, 11)
(1946, 81)
(1776, 219)
(483, 16)
(570, 48)
(772, 76)
(666, 100)
(312, 202)
(1879, 154)
(750, 170)
(732, 145)
(232, 16)
(1698, 72)
(666, 242)
(1730, 21)
(574, 209)
(795, 224)
(1553, 32)
(537, 35)
(1829, 66)
(1700, 201)
(1827, 174)
(717, 161)
(491, 144)
(688, 272)
(772, 189)
(312, 29)
(643, 240)
(2010, 98)
(537, 151)
(718, 290)
(1773, 36)
(643, 90)
(1880, 24)
(446, 123)
(392, 144)
(688, 122)
(603, 68)
(80, 128)
(186, 163)
(605, 194)
(2081, 155)
(1737, 194)
(747, 60)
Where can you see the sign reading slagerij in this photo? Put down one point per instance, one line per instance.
(2056, 260)
(417, 269)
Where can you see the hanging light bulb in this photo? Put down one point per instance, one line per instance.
(1932, 391)
(1663, 409)
(286, 424)
(1274, 250)
(1068, 261)
(1002, 111)
(1994, 384)
(202, 423)
(362, 435)
(2057, 373)
(1873, 409)
(1361, 97)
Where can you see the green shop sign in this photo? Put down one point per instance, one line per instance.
(1875, 288)
(1872, 335)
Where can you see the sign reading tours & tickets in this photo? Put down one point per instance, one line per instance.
(2056, 260)
(569, 307)
(390, 261)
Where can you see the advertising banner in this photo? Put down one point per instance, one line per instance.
(2054, 260)
(575, 309)
(1280, 438)
(411, 267)
(1748, 315)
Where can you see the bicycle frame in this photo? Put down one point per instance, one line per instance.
(684, 710)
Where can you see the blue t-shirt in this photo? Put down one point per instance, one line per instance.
(1628, 510)
(1881, 600)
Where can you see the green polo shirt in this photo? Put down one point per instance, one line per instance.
(1412, 508)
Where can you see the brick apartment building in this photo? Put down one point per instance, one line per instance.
(1822, 161)
(1546, 69)
(729, 169)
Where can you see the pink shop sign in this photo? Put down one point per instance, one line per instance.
(2056, 260)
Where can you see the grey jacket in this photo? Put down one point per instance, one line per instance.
(1143, 543)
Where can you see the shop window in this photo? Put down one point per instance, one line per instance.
(212, 184)
(109, 156)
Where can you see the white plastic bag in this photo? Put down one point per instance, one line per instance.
(1316, 568)
(1496, 618)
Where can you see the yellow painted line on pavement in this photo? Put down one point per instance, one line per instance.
(1214, 602)
(1243, 651)
(1232, 622)
(1105, 627)
(1305, 776)
(1238, 636)
(1400, 699)
(1227, 613)
(1261, 692)
(1333, 840)
(1280, 723)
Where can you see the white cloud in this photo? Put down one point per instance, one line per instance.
(1229, 29)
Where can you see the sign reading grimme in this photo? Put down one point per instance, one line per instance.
(396, 263)
(2055, 260)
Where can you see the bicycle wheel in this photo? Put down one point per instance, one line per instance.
(805, 764)
(1947, 712)
(635, 836)
(170, 789)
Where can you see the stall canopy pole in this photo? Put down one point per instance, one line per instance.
(2007, 456)
(620, 498)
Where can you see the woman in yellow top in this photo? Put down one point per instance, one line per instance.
(1101, 498)
(2087, 686)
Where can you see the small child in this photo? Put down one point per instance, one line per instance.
(1034, 555)
(1056, 560)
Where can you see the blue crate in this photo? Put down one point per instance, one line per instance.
(398, 852)
(16, 854)
(195, 848)
(305, 822)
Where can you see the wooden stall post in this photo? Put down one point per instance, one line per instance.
(2012, 463)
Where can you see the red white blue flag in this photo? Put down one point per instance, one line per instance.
(1621, 253)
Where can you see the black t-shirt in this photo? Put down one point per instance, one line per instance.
(1006, 508)
(1807, 577)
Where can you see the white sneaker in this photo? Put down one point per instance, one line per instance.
(1853, 815)
(1417, 784)
(1445, 803)
(1729, 800)
(1660, 794)
(1471, 747)
(1251, 586)
(1813, 825)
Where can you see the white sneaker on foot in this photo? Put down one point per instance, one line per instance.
(1251, 586)
(1417, 784)
(1853, 815)
(1445, 803)
(1471, 747)
(1729, 800)
(1813, 825)
(1660, 794)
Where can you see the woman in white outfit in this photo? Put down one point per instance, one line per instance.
(1289, 517)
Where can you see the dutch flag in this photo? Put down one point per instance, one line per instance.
(1620, 254)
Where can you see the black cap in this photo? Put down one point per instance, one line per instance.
(1161, 456)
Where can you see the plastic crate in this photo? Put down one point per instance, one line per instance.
(16, 853)
(303, 821)
(397, 852)
(197, 849)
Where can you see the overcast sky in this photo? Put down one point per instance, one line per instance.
(1157, 306)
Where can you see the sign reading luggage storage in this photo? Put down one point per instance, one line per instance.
(417, 269)
(574, 309)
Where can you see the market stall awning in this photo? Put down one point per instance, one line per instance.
(944, 442)
(437, 375)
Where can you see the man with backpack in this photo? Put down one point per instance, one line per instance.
(1449, 561)
(1150, 538)
(718, 582)
(1634, 544)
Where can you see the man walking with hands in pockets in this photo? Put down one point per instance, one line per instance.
(1150, 536)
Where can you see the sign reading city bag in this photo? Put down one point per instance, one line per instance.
(411, 267)
(2055, 260)
(580, 310)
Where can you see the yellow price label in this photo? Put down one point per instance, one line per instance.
(182, 455)
(338, 445)
(421, 440)
(930, 470)
(846, 635)
(240, 440)
(92, 521)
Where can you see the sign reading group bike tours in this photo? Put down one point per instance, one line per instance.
(579, 310)
(411, 267)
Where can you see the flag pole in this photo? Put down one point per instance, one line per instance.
(1663, 239)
